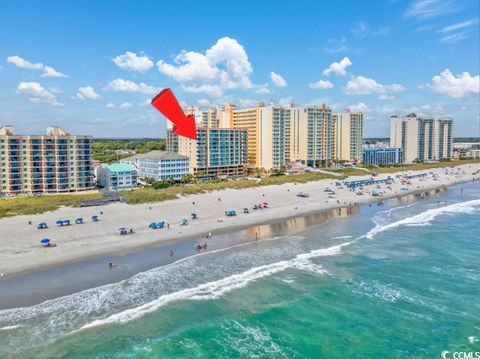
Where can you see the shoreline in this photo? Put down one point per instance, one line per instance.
(86, 246)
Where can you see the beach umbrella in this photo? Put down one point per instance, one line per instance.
(45, 241)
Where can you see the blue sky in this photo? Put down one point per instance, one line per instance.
(93, 66)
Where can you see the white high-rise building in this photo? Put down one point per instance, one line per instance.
(422, 139)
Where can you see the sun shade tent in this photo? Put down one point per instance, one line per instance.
(79, 221)
(42, 225)
(95, 218)
(66, 222)
(59, 222)
(45, 241)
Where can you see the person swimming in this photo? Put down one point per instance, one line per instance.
(171, 253)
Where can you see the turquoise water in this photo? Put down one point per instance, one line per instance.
(397, 281)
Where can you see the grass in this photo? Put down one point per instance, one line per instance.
(33, 205)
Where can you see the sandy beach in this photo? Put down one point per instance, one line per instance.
(21, 251)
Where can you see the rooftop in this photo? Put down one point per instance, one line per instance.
(120, 167)
(163, 155)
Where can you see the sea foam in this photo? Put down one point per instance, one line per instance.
(424, 218)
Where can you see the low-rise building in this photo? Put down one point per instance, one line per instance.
(117, 176)
(382, 156)
(160, 165)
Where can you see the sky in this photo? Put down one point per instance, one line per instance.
(92, 67)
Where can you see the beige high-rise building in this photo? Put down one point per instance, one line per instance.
(349, 136)
(422, 139)
(225, 116)
(248, 119)
(55, 163)
(281, 135)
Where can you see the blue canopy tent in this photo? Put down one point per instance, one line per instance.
(79, 221)
(153, 225)
(245, 210)
(66, 222)
(95, 218)
(45, 241)
(59, 222)
(42, 225)
(194, 216)
(160, 224)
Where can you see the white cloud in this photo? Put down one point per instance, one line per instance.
(210, 90)
(362, 30)
(286, 100)
(338, 68)
(245, 103)
(130, 86)
(110, 105)
(147, 102)
(386, 97)
(35, 93)
(24, 64)
(361, 85)
(359, 107)
(456, 86)
(336, 45)
(126, 105)
(223, 66)
(132, 62)
(450, 39)
(204, 102)
(428, 9)
(458, 26)
(277, 79)
(87, 93)
(321, 84)
(263, 90)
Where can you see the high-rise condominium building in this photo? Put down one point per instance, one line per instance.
(288, 134)
(217, 152)
(55, 163)
(225, 116)
(422, 139)
(248, 119)
(349, 135)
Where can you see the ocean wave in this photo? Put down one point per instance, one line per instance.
(218, 288)
(424, 218)
(342, 237)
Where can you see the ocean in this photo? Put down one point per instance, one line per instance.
(400, 280)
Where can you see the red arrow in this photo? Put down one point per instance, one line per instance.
(167, 104)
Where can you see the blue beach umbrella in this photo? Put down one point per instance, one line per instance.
(45, 241)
